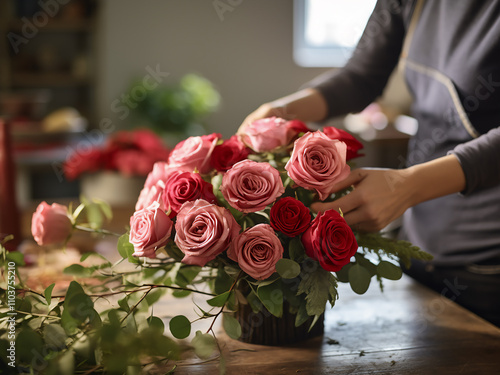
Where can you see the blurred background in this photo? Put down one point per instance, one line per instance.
(74, 74)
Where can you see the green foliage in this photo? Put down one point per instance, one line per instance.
(271, 296)
(180, 326)
(204, 345)
(287, 268)
(359, 278)
(398, 249)
(320, 287)
(231, 326)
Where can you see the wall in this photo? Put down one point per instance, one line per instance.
(246, 52)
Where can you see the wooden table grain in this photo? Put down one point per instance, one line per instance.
(407, 329)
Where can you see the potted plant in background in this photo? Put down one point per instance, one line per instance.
(175, 111)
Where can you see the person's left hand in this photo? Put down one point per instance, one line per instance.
(379, 197)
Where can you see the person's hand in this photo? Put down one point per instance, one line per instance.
(379, 197)
(305, 105)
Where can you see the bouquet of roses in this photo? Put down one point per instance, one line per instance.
(240, 207)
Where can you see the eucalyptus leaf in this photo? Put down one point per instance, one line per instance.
(359, 278)
(343, 273)
(204, 345)
(296, 250)
(271, 296)
(156, 323)
(220, 300)
(231, 326)
(287, 268)
(180, 326)
(389, 270)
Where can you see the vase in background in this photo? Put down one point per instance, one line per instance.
(112, 187)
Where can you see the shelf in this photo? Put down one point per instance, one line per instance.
(49, 79)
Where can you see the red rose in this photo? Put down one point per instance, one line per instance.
(183, 187)
(330, 241)
(289, 216)
(353, 145)
(297, 126)
(228, 154)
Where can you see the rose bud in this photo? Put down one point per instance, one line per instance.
(51, 224)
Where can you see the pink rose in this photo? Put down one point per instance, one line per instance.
(330, 241)
(257, 250)
(353, 145)
(318, 162)
(150, 195)
(250, 186)
(194, 153)
(228, 153)
(161, 172)
(51, 224)
(269, 133)
(183, 187)
(150, 229)
(203, 231)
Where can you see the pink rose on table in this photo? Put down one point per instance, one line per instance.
(183, 187)
(203, 231)
(353, 145)
(250, 186)
(150, 229)
(269, 133)
(330, 241)
(194, 153)
(257, 250)
(228, 153)
(318, 162)
(51, 224)
(290, 216)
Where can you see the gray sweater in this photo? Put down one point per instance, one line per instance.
(452, 66)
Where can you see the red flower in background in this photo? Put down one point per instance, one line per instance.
(132, 153)
(353, 145)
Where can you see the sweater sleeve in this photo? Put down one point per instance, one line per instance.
(365, 75)
(480, 161)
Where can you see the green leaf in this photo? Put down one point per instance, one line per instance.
(389, 270)
(271, 297)
(186, 274)
(16, 257)
(359, 278)
(222, 282)
(55, 337)
(180, 326)
(181, 293)
(29, 345)
(319, 287)
(232, 326)
(296, 250)
(173, 251)
(125, 248)
(302, 315)
(104, 207)
(154, 296)
(48, 293)
(156, 323)
(287, 268)
(123, 303)
(204, 345)
(220, 300)
(343, 274)
(94, 215)
(254, 302)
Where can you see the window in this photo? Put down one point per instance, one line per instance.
(326, 31)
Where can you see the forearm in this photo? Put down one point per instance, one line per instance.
(433, 179)
(305, 105)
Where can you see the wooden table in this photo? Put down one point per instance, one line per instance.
(408, 329)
